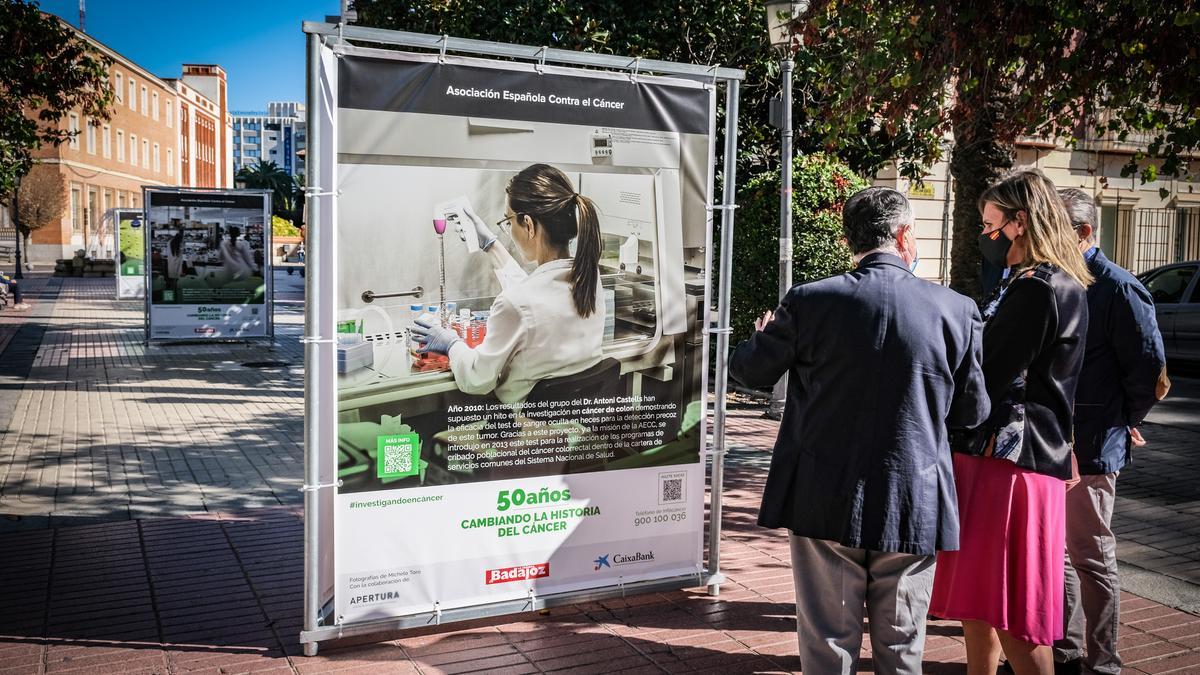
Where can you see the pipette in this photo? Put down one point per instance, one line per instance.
(439, 226)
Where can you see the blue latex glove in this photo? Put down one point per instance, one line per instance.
(434, 339)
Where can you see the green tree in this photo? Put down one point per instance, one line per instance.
(820, 187)
(985, 73)
(268, 175)
(46, 71)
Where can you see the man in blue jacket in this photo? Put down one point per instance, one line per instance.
(880, 364)
(1117, 388)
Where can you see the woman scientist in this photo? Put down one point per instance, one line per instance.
(551, 322)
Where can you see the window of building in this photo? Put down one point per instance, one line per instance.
(120, 199)
(92, 215)
(132, 95)
(170, 111)
(146, 153)
(76, 208)
(170, 162)
(133, 150)
(106, 142)
(89, 132)
(157, 166)
(73, 128)
(145, 107)
(119, 88)
(107, 200)
(120, 145)
(154, 106)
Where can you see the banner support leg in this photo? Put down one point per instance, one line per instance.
(721, 385)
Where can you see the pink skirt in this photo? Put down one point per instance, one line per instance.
(1008, 571)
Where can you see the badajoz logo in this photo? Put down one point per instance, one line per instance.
(620, 559)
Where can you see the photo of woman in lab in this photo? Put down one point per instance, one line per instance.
(548, 323)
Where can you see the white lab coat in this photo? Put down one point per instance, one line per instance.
(533, 333)
(174, 263)
(237, 258)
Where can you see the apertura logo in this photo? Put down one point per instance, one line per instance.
(619, 559)
(518, 573)
(374, 597)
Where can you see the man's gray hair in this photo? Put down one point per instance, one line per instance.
(872, 217)
(1081, 208)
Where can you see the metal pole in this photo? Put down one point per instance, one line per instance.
(312, 384)
(779, 394)
(729, 194)
(15, 216)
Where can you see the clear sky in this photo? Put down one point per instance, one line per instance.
(257, 42)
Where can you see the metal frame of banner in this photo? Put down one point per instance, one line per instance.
(319, 348)
(268, 266)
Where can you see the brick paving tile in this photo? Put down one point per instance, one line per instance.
(204, 456)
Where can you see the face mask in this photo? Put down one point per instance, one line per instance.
(994, 246)
(912, 266)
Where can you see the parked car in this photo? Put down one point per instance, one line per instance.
(1176, 292)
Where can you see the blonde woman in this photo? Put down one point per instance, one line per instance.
(1005, 583)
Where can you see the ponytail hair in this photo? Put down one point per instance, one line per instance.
(546, 195)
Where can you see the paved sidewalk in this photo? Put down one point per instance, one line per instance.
(99, 427)
(221, 593)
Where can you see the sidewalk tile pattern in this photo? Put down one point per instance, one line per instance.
(221, 593)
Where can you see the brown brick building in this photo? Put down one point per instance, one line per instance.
(162, 133)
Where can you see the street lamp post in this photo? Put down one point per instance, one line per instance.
(780, 16)
(15, 215)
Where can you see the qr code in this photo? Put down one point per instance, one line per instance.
(397, 459)
(397, 455)
(671, 488)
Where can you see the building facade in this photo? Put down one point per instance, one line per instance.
(108, 162)
(206, 128)
(162, 133)
(1142, 225)
(279, 136)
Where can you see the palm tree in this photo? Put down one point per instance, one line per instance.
(268, 176)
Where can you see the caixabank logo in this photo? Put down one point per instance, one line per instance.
(518, 573)
(620, 559)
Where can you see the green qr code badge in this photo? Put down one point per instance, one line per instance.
(397, 456)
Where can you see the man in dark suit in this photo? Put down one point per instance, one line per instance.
(1117, 388)
(881, 364)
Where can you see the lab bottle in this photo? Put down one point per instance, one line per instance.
(462, 325)
(478, 329)
(450, 314)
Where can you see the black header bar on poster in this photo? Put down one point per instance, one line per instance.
(252, 200)
(368, 83)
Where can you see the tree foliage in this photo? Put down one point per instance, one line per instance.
(46, 71)
(41, 199)
(820, 187)
(267, 175)
(986, 73)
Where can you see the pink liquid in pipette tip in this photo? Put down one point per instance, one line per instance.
(439, 225)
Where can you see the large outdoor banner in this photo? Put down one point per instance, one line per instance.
(131, 253)
(207, 263)
(552, 222)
